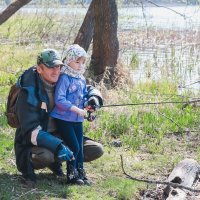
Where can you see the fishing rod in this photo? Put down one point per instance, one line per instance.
(152, 103)
(91, 117)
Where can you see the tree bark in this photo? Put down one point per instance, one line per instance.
(105, 41)
(86, 32)
(11, 9)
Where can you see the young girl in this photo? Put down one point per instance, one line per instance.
(69, 111)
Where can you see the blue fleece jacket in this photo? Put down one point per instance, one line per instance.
(70, 91)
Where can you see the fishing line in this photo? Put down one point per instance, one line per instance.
(90, 117)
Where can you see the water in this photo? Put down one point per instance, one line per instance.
(176, 17)
(155, 61)
(178, 61)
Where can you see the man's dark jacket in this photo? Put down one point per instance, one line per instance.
(30, 115)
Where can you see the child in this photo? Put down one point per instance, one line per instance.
(69, 111)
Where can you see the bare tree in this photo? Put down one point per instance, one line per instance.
(105, 41)
(11, 9)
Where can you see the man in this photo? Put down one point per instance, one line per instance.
(36, 143)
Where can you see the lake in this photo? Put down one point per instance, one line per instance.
(177, 61)
(171, 61)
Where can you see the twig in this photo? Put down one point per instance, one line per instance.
(32, 190)
(189, 84)
(36, 191)
(145, 18)
(168, 118)
(182, 15)
(183, 131)
(175, 185)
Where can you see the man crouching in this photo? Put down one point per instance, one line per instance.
(36, 144)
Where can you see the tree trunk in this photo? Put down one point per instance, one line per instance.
(105, 41)
(185, 173)
(85, 34)
(11, 9)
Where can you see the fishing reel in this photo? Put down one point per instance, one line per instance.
(92, 105)
(90, 117)
(94, 102)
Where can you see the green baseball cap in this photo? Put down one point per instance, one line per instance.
(49, 57)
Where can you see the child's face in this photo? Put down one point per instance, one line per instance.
(77, 64)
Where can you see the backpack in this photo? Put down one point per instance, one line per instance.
(12, 119)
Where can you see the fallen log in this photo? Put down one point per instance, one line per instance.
(185, 173)
(180, 183)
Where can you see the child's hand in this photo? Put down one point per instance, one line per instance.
(79, 111)
(82, 112)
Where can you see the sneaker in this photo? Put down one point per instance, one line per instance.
(73, 178)
(82, 175)
(87, 181)
(76, 181)
(56, 168)
(29, 180)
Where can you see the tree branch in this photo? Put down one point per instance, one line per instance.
(168, 118)
(175, 185)
(182, 15)
(86, 31)
(12, 9)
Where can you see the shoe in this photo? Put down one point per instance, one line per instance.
(73, 177)
(29, 179)
(56, 168)
(75, 181)
(82, 175)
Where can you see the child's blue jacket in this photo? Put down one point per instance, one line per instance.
(69, 91)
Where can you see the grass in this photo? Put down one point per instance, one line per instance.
(153, 139)
(106, 172)
(149, 147)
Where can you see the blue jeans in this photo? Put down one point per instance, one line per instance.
(72, 135)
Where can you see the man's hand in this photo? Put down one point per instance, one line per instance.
(64, 154)
(92, 104)
(90, 109)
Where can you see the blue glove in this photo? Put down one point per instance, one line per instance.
(64, 154)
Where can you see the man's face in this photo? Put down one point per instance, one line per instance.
(50, 75)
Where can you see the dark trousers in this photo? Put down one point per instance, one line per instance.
(72, 135)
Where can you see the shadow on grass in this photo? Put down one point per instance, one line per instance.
(48, 186)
